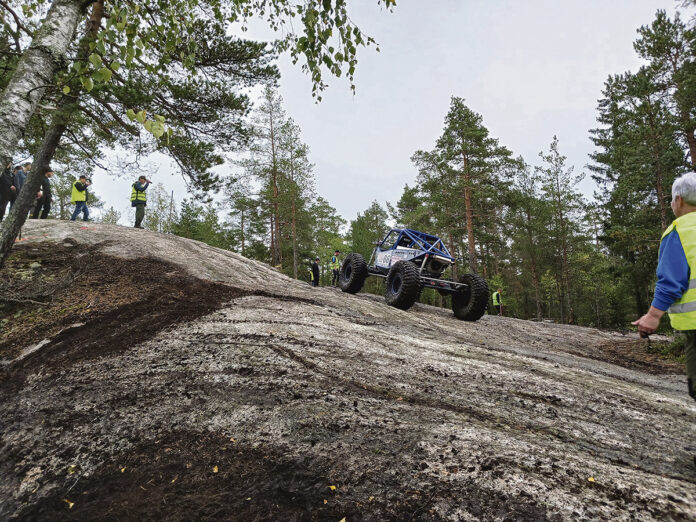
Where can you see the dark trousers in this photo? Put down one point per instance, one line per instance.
(80, 206)
(334, 276)
(5, 198)
(139, 215)
(690, 355)
(42, 203)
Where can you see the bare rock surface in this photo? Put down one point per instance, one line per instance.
(289, 402)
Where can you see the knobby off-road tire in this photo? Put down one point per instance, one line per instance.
(403, 285)
(470, 303)
(353, 273)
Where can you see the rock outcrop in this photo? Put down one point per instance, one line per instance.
(264, 398)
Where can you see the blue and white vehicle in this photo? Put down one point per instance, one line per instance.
(410, 260)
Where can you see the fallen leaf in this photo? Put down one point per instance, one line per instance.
(249, 498)
(174, 479)
(370, 499)
(232, 439)
(123, 469)
(215, 469)
(326, 501)
(399, 398)
(342, 520)
(591, 479)
(72, 469)
(70, 504)
(332, 488)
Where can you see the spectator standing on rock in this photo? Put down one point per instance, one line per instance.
(20, 177)
(498, 300)
(8, 190)
(335, 268)
(79, 197)
(44, 197)
(315, 272)
(139, 199)
(675, 291)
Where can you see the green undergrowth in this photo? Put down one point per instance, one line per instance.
(673, 350)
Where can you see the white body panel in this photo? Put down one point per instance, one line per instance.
(388, 258)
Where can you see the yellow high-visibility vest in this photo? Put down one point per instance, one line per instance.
(77, 195)
(334, 265)
(682, 314)
(496, 298)
(138, 195)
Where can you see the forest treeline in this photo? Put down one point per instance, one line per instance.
(522, 224)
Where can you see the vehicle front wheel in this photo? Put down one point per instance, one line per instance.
(403, 285)
(470, 302)
(353, 273)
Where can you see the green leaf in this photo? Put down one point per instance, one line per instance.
(95, 59)
(157, 129)
(66, 90)
(105, 73)
(88, 84)
(130, 113)
(140, 116)
(148, 125)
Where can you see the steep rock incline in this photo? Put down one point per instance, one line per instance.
(299, 403)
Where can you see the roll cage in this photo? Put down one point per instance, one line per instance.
(409, 238)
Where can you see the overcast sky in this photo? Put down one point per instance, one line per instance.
(532, 69)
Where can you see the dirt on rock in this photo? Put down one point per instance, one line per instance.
(81, 303)
(149, 377)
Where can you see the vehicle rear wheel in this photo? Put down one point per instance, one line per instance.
(403, 285)
(353, 273)
(471, 301)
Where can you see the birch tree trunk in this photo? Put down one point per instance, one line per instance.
(10, 227)
(9, 230)
(35, 72)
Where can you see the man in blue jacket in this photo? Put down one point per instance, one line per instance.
(675, 292)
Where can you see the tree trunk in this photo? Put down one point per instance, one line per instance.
(691, 140)
(532, 257)
(10, 227)
(34, 73)
(452, 252)
(469, 216)
(67, 107)
(242, 227)
(294, 239)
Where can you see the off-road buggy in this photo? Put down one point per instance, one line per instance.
(411, 261)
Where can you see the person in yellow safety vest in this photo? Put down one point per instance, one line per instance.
(79, 197)
(675, 291)
(139, 199)
(498, 300)
(335, 266)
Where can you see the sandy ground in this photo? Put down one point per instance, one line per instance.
(274, 400)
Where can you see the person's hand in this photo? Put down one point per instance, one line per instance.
(13, 188)
(650, 322)
(39, 194)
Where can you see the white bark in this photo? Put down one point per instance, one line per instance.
(35, 71)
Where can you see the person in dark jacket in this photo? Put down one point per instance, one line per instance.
(20, 177)
(315, 272)
(80, 196)
(139, 199)
(44, 197)
(8, 191)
